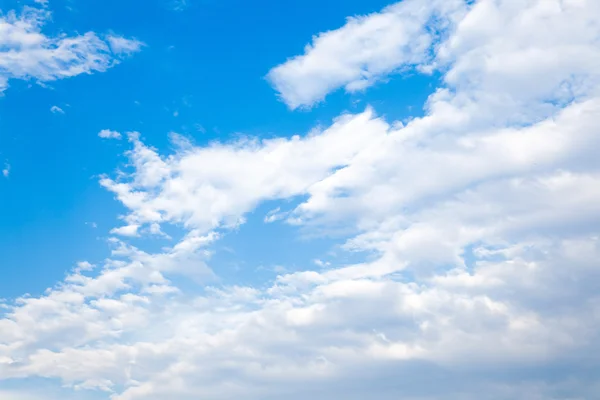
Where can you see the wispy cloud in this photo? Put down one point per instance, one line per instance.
(57, 110)
(27, 53)
(178, 5)
(122, 46)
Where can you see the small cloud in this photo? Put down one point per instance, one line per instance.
(120, 45)
(321, 263)
(180, 141)
(176, 113)
(108, 134)
(92, 224)
(178, 5)
(6, 170)
(274, 215)
(127, 230)
(200, 128)
(56, 110)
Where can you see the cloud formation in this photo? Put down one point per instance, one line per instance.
(478, 222)
(109, 134)
(365, 50)
(27, 53)
(465, 36)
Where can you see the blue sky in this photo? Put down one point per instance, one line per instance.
(206, 64)
(215, 199)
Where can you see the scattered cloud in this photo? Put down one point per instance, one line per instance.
(28, 54)
(6, 170)
(56, 110)
(128, 230)
(122, 46)
(109, 134)
(274, 215)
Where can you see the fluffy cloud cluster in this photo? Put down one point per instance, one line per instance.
(479, 225)
(27, 53)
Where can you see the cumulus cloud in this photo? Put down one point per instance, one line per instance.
(56, 110)
(27, 53)
(478, 221)
(108, 134)
(206, 187)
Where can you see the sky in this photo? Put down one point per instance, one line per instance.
(216, 199)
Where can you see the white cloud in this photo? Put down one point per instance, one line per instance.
(6, 170)
(121, 45)
(274, 215)
(56, 110)
(127, 230)
(108, 134)
(369, 48)
(204, 188)
(27, 53)
(480, 220)
(365, 50)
